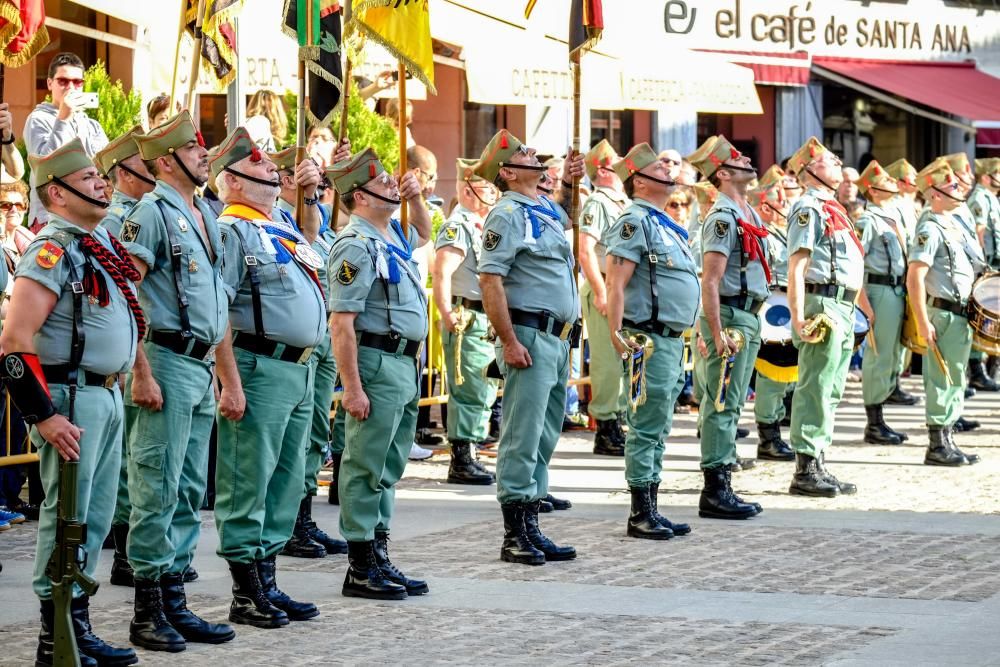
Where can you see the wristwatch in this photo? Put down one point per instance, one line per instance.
(310, 201)
(7, 143)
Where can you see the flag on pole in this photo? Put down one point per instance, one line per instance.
(324, 68)
(22, 31)
(218, 46)
(586, 23)
(403, 27)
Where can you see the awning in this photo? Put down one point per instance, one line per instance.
(959, 89)
(772, 69)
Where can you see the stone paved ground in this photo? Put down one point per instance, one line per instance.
(905, 573)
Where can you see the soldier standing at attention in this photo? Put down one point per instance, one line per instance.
(459, 245)
(379, 324)
(607, 382)
(985, 208)
(169, 398)
(73, 319)
(653, 292)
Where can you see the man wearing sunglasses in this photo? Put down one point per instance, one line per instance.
(53, 124)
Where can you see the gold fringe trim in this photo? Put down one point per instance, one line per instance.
(786, 374)
(30, 50)
(13, 17)
(356, 24)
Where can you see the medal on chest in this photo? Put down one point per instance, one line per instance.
(182, 224)
(306, 256)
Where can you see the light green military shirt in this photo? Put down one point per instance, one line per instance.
(600, 211)
(463, 232)
(777, 254)
(719, 234)
(694, 242)
(882, 240)
(322, 244)
(144, 233)
(942, 244)
(909, 215)
(121, 206)
(636, 235)
(359, 267)
(110, 330)
(985, 207)
(807, 230)
(293, 310)
(538, 273)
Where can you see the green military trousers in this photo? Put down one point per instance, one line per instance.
(954, 339)
(608, 385)
(261, 460)
(769, 404)
(469, 403)
(718, 427)
(377, 448)
(168, 463)
(99, 414)
(649, 425)
(822, 375)
(320, 433)
(534, 401)
(338, 437)
(880, 372)
(123, 508)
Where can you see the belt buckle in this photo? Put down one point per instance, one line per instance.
(110, 381)
(304, 357)
(567, 329)
(653, 258)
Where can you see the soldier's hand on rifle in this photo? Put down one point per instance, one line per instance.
(146, 392)
(63, 435)
(6, 122)
(232, 402)
(356, 404)
(409, 187)
(308, 177)
(343, 151)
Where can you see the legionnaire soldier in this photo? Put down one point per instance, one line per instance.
(72, 326)
(825, 277)
(308, 540)
(121, 163)
(277, 317)
(467, 352)
(905, 176)
(607, 382)
(939, 279)
(173, 239)
(653, 296)
(884, 244)
(379, 323)
(768, 200)
(985, 208)
(530, 293)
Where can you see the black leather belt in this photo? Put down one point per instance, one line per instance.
(59, 374)
(393, 343)
(544, 322)
(838, 292)
(271, 348)
(747, 303)
(469, 304)
(954, 307)
(888, 281)
(658, 328)
(175, 342)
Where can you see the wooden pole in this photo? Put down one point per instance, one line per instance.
(199, 21)
(300, 129)
(342, 134)
(403, 217)
(571, 207)
(177, 57)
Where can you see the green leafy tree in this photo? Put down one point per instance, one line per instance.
(118, 111)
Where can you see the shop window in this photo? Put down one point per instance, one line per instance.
(618, 127)
(480, 123)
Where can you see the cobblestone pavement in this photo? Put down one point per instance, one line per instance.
(907, 572)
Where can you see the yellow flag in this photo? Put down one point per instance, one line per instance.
(403, 28)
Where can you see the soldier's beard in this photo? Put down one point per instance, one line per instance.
(262, 195)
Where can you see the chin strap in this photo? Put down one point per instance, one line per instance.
(89, 200)
(22, 373)
(661, 181)
(253, 179)
(776, 210)
(187, 172)
(144, 179)
(529, 167)
(948, 194)
(820, 180)
(387, 200)
(749, 170)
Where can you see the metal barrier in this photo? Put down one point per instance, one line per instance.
(6, 458)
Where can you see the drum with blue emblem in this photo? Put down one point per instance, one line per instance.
(778, 359)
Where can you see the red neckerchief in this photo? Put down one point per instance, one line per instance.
(839, 220)
(753, 242)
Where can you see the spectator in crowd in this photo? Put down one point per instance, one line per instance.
(847, 193)
(158, 110)
(679, 206)
(52, 124)
(11, 163)
(392, 113)
(424, 162)
(267, 121)
(13, 206)
(368, 89)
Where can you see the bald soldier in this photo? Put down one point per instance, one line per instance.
(607, 382)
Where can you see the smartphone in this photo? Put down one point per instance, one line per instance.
(395, 75)
(89, 100)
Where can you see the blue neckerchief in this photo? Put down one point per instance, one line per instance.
(282, 256)
(405, 253)
(545, 208)
(665, 221)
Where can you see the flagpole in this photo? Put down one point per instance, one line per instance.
(342, 133)
(177, 57)
(199, 21)
(572, 207)
(300, 129)
(403, 217)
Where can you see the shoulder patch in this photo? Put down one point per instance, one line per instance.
(721, 228)
(49, 255)
(922, 239)
(628, 230)
(588, 219)
(803, 218)
(491, 240)
(451, 233)
(347, 273)
(130, 231)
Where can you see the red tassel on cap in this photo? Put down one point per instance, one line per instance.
(371, 170)
(733, 153)
(255, 155)
(503, 141)
(201, 139)
(812, 150)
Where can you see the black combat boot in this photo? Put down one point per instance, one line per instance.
(150, 628)
(641, 521)
(557, 503)
(251, 606)
(190, 574)
(462, 469)
(267, 571)
(335, 459)
(301, 544)
(876, 431)
(786, 400)
(969, 391)
(365, 579)
(900, 396)
(606, 439)
(121, 569)
(978, 379)
(717, 500)
(184, 621)
(517, 548)
(757, 508)
(970, 458)
(940, 450)
(845, 488)
(808, 479)
(332, 546)
(677, 528)
(93, 646)
(770, 445)
(393, 573)
(962, 425)
(538, 540)
(45, 653)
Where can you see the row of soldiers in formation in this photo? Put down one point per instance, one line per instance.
(277, 309)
